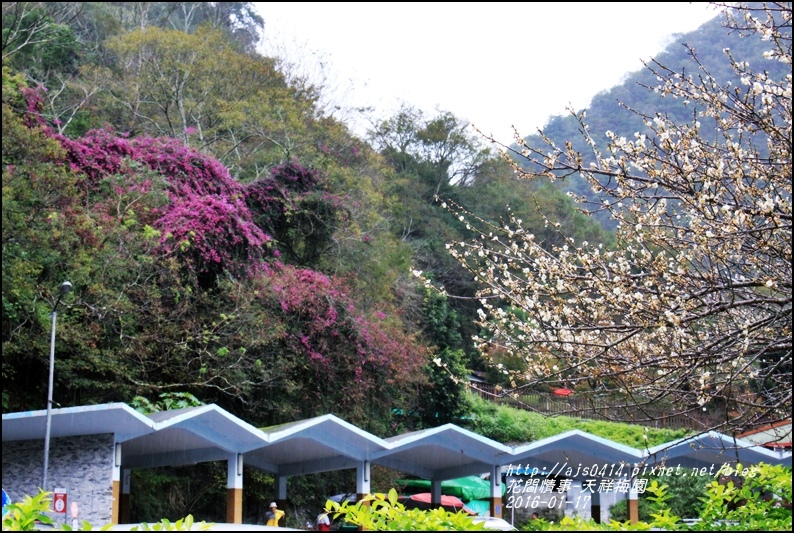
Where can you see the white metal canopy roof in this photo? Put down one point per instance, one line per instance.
(319, 444)
(192, 435)
(445, 452)
(573, 449)
(714, 448)
(117, 418)
(325, 443)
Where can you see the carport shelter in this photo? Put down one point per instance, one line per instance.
(587, 460)
(321, 444)
(94, 449)
(712, 450)
(448, 452)
(567, 455)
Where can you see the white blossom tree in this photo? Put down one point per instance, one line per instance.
(693, 309)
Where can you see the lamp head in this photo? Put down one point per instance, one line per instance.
(65, 287)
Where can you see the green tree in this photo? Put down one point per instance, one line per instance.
(440, 150)
(35, 42)
(444, 399)
(202, 89)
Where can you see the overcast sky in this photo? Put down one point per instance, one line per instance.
(495, 64)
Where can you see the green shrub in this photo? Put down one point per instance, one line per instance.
(510, 425)
(756, 498)
(749, 498)
(376, 513)
(23, 516)
(686, 495)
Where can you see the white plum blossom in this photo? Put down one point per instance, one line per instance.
(692, 307)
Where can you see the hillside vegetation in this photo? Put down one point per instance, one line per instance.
(225, 236)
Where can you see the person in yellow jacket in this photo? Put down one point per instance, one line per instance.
(273, 516)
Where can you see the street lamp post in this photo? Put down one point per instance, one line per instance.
(65, 288)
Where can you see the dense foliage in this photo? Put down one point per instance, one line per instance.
(152, 232)
(686, 494)
(224, 233)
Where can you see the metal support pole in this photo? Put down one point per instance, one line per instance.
(65, 288)
(48, 428)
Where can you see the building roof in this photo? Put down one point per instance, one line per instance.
(714, 448)
(117, 418)
(444, 452)
(319, 444)
(324, 443)
(574, 449)
(774, 436)
(192, 435)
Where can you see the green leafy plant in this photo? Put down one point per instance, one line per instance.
(756, 498)
(23, 516)
(660, 510)
(26, 515)
(386, 513)
(168, 401)
(686, 495)
(750, 498)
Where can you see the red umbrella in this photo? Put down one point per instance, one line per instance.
(562, 392)
(422, 501)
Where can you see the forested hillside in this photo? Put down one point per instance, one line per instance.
(226, 237)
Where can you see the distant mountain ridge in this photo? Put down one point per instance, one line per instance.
(605, 113)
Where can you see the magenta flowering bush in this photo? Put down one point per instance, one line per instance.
(347, 361)
(206, 221)
(211, 221)
(103, 152)
(189, 171)
(272, 198)
(100, 153)
(34, 105)
(214, 230)
(148, 230)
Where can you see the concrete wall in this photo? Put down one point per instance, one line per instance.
(81, 465)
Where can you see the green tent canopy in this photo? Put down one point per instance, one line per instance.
(466, 488)
(481, 507)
